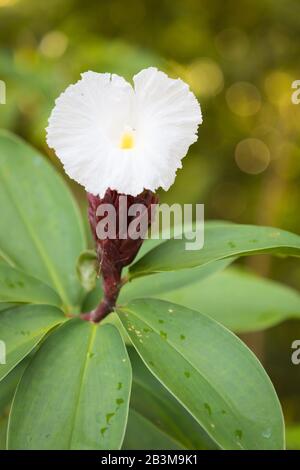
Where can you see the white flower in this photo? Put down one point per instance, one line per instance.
(110, 135)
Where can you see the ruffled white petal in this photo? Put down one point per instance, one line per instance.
(91, 116)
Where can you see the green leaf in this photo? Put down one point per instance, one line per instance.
(178, 230)
(75, 392)
(87, 269)
(3, 430)
(6, 306)
(169, 281)
(22, 328)
(41, 230)
(210, 371)
(156, 418)
(92, 299)
(7, 390)
(9, 384)
(239, 300)
(142, 434)
(160, 283)
(221, 241)
(17, 286)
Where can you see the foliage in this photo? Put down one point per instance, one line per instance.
(74, 392)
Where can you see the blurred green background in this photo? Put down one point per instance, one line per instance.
(240, 59)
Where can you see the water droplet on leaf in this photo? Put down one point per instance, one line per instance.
(109, 416)
(267, 433)
(208, 408)
(163, 334)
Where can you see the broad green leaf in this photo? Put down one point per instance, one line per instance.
(169, 281)
(6, 306)
(239, 300)
(178, 230)
(93, 298)
(75, 392)
(142, 434)
(221, 242)
(156, 418)
(9, 384)
(17, 286)
(210, 371)
(22, 328)
(40, 227)
(7, 389)
(160, 283)
(4, 259)
(3, 430)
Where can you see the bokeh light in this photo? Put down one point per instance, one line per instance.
(278, 87)
(205, 77)
(243, 99)
(54, 44)
(252, 156)
(7, 3)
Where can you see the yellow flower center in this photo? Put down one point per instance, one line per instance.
(127, 140)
